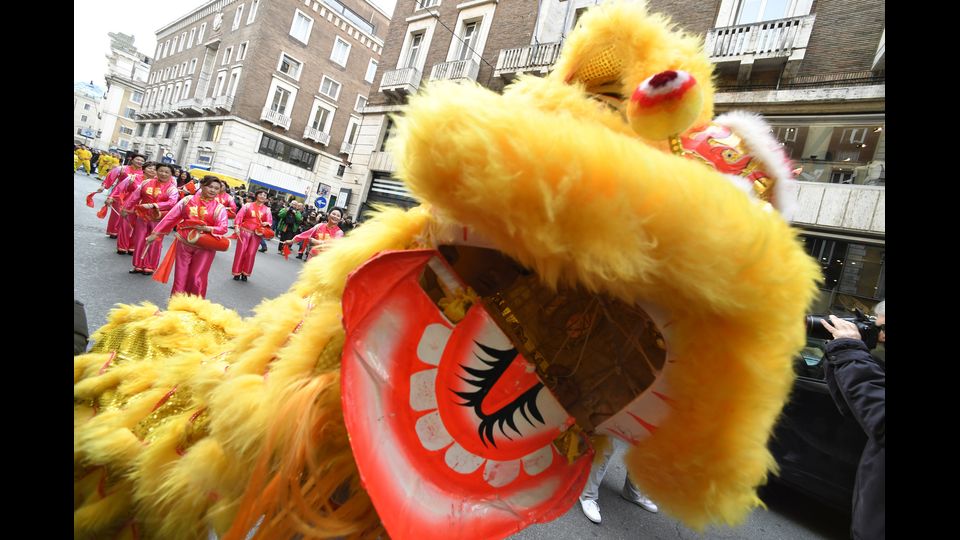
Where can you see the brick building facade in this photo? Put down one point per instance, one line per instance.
(268, 91)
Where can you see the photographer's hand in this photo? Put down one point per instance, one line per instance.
(841, 328)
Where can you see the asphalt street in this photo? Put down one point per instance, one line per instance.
(101, 280)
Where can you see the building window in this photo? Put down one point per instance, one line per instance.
(137, 97)
(341, 51)
(140, 129)
(242, 51)
(124, 144)
(193, 66)
(153, 130)
(416, 39)
(160, 96)
(361, 103)
(751, 11)
(129, 113)
(183, 68)
(341, 168)
(83, 118)
(300, 29)
(173, 50)
(854, 274)
(214, 129)
(203, 27)
(286, 152)
(169, 93)
(387, 133)
(183, 41)
(321, 119)
(171, 127)
(176, 93)
(86, 106)
(221, 79)
(234, 79)
(423, 4)
(237, 17)
(227, 54)
(186, 89)
(126, 130)
(468, 40)
(330, 88)
(176, 71)
(193, 34)
(253, 11)
(289, 66)
(279, 102)
(371, 71)
(159, 51)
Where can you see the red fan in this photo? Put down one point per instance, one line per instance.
(162, 274)
(90, 199)
(286, 251)
(102, 213)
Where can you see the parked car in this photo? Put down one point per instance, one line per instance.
(818, 450)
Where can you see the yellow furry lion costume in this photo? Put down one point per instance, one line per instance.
(192, 420)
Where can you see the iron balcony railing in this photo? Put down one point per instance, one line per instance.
(766, 39)
(275, 118)
(538, 57)
(404, 79)
(316, 135)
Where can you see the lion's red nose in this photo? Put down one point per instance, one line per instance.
(663, 78)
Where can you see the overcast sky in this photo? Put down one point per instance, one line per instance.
(92, 19)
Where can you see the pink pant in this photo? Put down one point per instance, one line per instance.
(143, 257)
(246, 253)
(193, 266)
(113, 223)
(125, 233)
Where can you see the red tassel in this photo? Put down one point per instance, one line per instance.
(102, 213)
(286, 251)
(162, 274)
(90, 199)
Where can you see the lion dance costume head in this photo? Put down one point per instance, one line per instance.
(596, 256)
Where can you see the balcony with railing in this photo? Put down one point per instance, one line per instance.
(275, 118)
(190, 106)
(224, 103)
(381, 161)
(346, 148)
(781, 38)
(316, 135)
(841, 206)
(400, 81)
(532, 58)
(455, 71)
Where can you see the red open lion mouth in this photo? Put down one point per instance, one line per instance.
(481, 425)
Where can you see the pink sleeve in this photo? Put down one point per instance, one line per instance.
(119, 188)
(111, 177)
(269, 216)
(242, 213)
(133, 199)
(338, 234)
(173, 217)
(230, 203)
(172, 197)
(306, 234)
(221, 227)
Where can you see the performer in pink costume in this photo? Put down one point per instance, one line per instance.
(114, 177)
(193, 262)
(226, 200)
(154, 198)
(249, 218)
(319, 234)
(121, 191)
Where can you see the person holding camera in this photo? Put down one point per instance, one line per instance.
(857, 383)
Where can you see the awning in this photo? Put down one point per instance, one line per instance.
(231, 181)
(277, 188)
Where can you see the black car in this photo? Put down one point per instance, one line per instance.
(817, 448)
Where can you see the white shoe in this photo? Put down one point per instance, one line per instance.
(590, 509)
(643, 502)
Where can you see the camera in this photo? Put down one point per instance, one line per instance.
(869, 331)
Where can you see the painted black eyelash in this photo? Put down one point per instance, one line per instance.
(485, 379)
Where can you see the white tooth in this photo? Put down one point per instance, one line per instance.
(432, 434)
(501, 473)
(537, 462)
(462, 461)
(423, 395)
(432, 342)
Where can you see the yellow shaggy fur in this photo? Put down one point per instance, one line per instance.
(243, 417)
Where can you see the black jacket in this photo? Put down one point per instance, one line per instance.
(857, 383)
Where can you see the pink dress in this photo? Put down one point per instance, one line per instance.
(227, 201)
(249, 217)
(320, 231)
(121, 191)
(114, 178)
(193, 262)
(151, 191)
